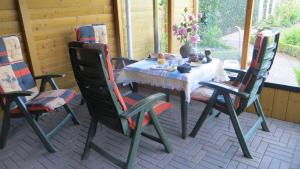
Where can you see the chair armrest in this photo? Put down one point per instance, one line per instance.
(143, 105)
(15, 93)
(225, 88)
(49, 76)
(241, 73)
(125, 60)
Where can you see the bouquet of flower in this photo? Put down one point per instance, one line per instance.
(187, 31)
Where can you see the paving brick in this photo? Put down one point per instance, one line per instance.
(214, 147)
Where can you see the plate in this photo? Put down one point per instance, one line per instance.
(195, 64)
(159, 67)
(164, 67)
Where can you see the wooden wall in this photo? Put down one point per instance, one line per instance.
(280, 104)
(9, 21)
(53, 22)
(9, 24)
(142, 28)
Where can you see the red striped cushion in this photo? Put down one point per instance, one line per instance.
(92, 33)
(129, 101)
(159, 107)
(48, 101)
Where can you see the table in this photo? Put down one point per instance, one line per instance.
(142, 72)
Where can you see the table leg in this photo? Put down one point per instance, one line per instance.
(184, 105)
(167, 92)
(134, 87)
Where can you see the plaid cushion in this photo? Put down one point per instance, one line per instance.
(92, 34)
(14, 73)
(159, 107)
(48, 101)
(203, 94)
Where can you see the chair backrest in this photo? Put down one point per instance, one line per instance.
(94, 75)
(92, 34)
(14, 73)
(264, 52)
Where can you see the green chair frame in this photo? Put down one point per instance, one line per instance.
(248, 97)
(99, 79)
(15, 97)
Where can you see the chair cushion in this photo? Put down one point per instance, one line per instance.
(131, 99)
(14, 73)
(92, 34)
(48, 101)
(159, 107)
(203, 94)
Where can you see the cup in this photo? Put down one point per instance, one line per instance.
(161, 61)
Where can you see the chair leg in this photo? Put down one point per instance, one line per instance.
(35, 126)
(91, 134)
(261, 114)
(4, 130)
(236, 126)
(160, 132)
(38, 130)
(82, 101)
(135, 141)
(205, 112)
(70, 111)
(167, 92)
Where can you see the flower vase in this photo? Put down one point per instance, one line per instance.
(186, 50)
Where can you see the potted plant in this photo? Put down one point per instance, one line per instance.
(187, 33)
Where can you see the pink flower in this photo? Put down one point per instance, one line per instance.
(195, 39)
(191, 17)
(182, 31)
(200, 15)
(195, 27)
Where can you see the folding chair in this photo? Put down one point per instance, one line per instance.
(97, 33)
(129, 115)
(21, 98)
(232, 98)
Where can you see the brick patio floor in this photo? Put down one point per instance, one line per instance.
(215, 146)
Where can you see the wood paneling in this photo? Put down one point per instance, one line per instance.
(293, 108)
(266, 99)
(142, 28)
(30, 43)
(10, 24)
(280, 104)
(52, 25)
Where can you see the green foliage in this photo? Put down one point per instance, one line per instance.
(290, 41)
(297, 73)
(222, 16)
(291, 50)
(292, 36)
(286, 15)
(210, 37)
(224, 13)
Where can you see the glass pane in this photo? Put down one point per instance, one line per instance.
(163, 23)
(142, 32)
(284, 16)
(221, 29)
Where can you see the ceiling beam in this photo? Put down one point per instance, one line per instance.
(29, 40)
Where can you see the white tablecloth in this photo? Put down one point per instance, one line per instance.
(143, 72)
